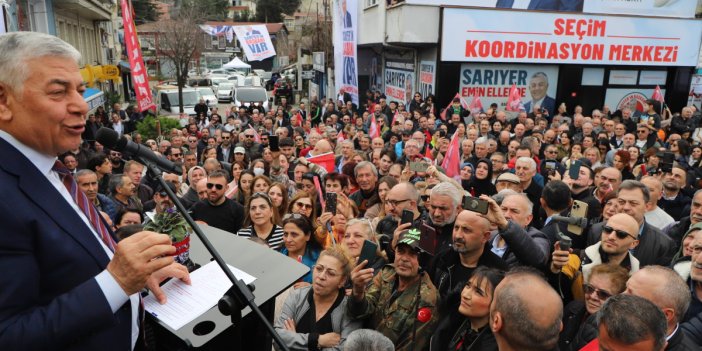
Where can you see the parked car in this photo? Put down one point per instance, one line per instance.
(251, 97)
(168, 103)
(208, 94)
(224, 91)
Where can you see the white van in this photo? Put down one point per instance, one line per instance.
(168, 104)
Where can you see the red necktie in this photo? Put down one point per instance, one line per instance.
(85, 205)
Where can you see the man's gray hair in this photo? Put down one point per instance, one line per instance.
(19, 47)
(85, 172)
(530, 205)
(671, 290)
(365, 164)
(630, 319)
(368, 339)
(116, 181)
(529, 160)
(446, 189)
(481, 140)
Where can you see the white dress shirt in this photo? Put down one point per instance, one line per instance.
(114, 294)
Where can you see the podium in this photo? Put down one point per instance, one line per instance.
(274, 273)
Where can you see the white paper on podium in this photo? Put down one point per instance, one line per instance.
(187, 302)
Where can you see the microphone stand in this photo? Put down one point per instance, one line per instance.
(239, 295)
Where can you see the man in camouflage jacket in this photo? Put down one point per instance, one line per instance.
(401, 303)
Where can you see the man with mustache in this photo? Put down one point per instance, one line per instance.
(401, 301)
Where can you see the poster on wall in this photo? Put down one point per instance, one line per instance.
(536, 84)
(695, 95)
(657, 8)
(633, 98)
(345, 53)
(375, 82)
(473, 35)
(399, 81)
(427, 77)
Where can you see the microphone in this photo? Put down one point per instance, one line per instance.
(110, 139)
(579, 221)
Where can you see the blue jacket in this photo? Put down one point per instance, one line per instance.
(309, 259)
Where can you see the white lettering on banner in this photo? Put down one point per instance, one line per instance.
(399, 84)
(473, 35)
(136, 62)
(256, 41)
(426, 78)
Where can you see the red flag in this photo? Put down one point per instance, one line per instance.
(514, 102)
(140, 79)
(657, 95)
(593, 345)
(324, 160)
(443, 112)
(464, 103)
(394, 117)
(298, 117)
(427, 153)
(373, 130)
(452, 158)
(476, 106)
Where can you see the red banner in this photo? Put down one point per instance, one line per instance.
(140, 79)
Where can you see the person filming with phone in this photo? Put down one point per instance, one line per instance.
(515, 241)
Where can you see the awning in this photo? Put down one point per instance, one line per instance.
(103, 73)
(94, 98)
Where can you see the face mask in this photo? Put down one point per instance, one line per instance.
(258, 171)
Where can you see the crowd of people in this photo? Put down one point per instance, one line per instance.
(406, 257)
(633, 175)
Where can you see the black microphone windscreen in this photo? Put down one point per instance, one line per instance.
(107, 137)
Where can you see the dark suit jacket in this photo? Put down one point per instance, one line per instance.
(655, 248)
(558, 5)
(49, 298)
(549, 104)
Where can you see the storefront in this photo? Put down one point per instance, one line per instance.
(554, 57)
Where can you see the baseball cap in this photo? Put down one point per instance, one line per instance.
(239, 150)
(508, 177)
(410, 237)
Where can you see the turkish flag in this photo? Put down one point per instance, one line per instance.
(452, 158)
(324, 160)
(373, 130)
(443, 112)
(476, 106)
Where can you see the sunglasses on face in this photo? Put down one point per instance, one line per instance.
(305, 206)
(619, 233)
(213, 185)
(601, 294)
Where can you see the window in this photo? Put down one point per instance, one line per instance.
(222, 41)
(370, 3)
(208, 41)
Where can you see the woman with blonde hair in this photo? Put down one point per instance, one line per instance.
(313, 317)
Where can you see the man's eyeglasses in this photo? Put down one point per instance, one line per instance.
(319, 270)
(213, 185)
(226, 138)
(621, 234)
(394, 203)
(303, 205)
(249, 136)
(601, 294)
(640, 131)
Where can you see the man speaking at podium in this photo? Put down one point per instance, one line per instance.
(66, 285)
